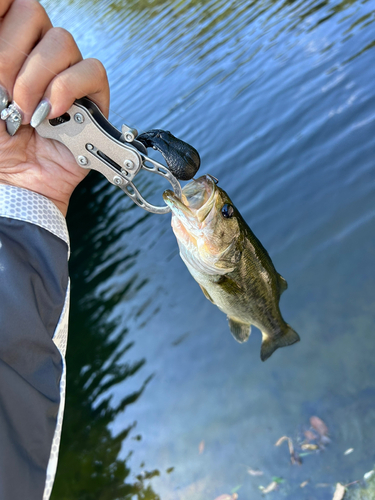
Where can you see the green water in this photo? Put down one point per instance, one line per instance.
(279, 99)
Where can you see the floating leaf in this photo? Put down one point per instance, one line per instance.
(271, 487)
(369, 474)
(318, 425)
(294, 458)
(339, 492)
(253, 472)
(291, 448)
(309, 446)
(281, 440)
(236, 488)
(227, 497)
(310, 436)
(290, 443)
(278, 479)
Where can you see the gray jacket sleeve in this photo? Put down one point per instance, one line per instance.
(34, 303)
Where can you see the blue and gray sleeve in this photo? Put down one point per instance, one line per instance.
(34, 307)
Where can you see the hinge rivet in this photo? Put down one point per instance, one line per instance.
(79, 118)
(129, 164)
(82, 160)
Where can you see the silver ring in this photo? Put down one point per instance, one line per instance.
(13, 118)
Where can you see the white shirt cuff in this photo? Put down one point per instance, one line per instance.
(22, 204)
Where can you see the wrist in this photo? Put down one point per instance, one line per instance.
(62, 205)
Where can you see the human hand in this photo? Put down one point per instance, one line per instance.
(39, 62)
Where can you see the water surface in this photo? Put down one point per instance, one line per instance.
(279, 99)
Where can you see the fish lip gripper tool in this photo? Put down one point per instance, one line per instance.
(96, 144)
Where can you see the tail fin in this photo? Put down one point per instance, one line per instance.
(270, 344)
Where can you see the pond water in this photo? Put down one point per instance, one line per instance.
(279, 99)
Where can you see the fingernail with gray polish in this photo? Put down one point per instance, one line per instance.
(13, 118)
(4, 98)
(42, 111)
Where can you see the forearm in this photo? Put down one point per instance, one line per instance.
(41, 74)
(34, 289)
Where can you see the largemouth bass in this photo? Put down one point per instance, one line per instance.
(229, 263)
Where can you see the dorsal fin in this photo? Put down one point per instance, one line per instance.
(240, 331)
(283, 285)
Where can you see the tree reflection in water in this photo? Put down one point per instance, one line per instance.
(89, 467)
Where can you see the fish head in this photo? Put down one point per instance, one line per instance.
(207, 226)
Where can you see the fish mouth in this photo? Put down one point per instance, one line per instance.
(196, 201)
(192, 219)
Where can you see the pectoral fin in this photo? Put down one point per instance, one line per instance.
(270, 344)
(206, 294)
(229, 285)
(240, 331)
(283, 285)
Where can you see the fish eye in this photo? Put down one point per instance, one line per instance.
(227, 211)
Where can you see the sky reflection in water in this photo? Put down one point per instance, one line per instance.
(278, 98)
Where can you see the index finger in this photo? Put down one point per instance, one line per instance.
(4, 7)
(85, 78)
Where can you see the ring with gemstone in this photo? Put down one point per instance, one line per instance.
(13, 118)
